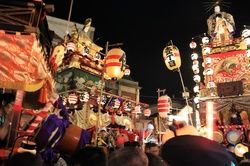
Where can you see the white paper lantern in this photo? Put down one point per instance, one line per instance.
(196, 89)
(196, 62)
(127, 72)
(208, 61)
(196, 71)
(209, 71)
(192, 45)
(84, 97)
(197, 78)
(194, 56)
(196, 99)
(245, 33)
(205, 40)
(206, 50)
(247, 41)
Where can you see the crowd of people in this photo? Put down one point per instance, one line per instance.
(185, 150)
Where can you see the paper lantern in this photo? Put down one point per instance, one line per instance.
(206, 50)
(192, 45)
(115, 63)
(71, 46)
(205, 40)
(245, 33)
(197, 78)
(194, 56)
(172, 57)
(72, 99)
(164, 106)
(240, 149)
(147, 112)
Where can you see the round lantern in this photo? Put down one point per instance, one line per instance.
(192, 45)
(194, 56)
(72, 99)
(205, 40)
(147, 112)
(164, 106)
(196, 62)
(240, 149)
(196, 99)
(247, 41)
(115, 63)
(197, 78)
(245, 33)
(71, 46)
(211, 84)
(172, 57)
(127, 72)
(208, 61)
(196, 89)
(206, 50)
(209, 71)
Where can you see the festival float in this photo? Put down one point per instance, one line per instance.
(222, 90)
(61, 100)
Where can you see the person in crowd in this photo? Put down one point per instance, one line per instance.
(25, 158)
(90, 156)
(128, 156)
(246, 159)
(152, 148)
(190, 150)
(148, 135)
(154, 160)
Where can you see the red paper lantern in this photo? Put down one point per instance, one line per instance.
(147, 112)
(72, 99)
(164, 106)
(115, 63)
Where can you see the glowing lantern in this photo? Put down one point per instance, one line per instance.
(71, 46)
(208, 61)
(147, 112)
(245, 33)
(127, 72)
(172, 57)
(209, 71)
(206, 50)
(72, 99)
(197, 78)
(205, 40)
(196, 89)
(194, 56)
(240, 149)
(115, 63)
(192, 45)
(164, 106)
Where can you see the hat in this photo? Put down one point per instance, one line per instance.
(190, 150)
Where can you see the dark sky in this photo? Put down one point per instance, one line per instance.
(144, 27)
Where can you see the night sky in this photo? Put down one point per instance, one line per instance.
(144, 28)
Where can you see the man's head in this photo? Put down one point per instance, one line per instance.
(128, 156)
(152, 148)
(195, 151)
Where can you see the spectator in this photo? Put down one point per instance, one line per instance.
(90, 156)
(25, 158)
(154, 160)
(152, 148)
(128, 156)
(246, 159)
(192, 150)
